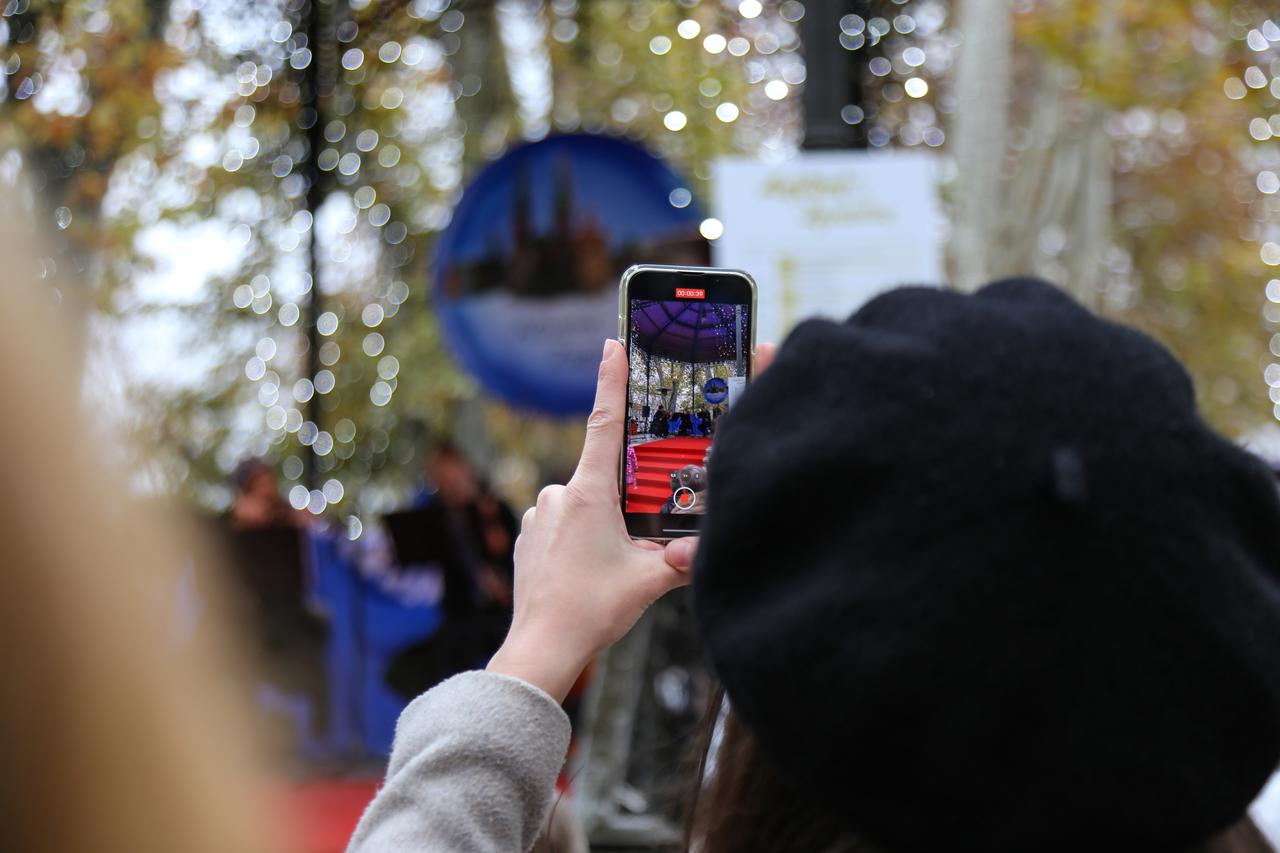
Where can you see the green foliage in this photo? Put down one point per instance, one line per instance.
(77, 98)
(1189, 217)
(132, 114)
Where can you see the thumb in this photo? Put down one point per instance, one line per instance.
(680, 553)
(659, 576)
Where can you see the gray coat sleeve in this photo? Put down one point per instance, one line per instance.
(473, 768)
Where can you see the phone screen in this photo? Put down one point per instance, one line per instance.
(689, 340)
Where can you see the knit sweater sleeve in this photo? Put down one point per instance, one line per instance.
(473, 768)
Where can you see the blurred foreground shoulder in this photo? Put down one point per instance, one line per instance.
(473, 767)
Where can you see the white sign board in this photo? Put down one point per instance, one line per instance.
(824, 232)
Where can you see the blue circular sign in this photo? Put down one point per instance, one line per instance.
(526, 274)
(715, 390)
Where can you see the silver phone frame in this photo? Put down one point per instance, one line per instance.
(624, 321)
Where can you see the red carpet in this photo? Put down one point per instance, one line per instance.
(656, 460)
(320, 815)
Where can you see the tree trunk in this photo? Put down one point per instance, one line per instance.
(981, 128)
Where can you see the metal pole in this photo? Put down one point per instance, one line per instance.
(738, 365)
(311, 120)
(833, 75)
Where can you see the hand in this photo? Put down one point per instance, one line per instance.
(581, 582)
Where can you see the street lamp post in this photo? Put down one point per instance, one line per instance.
(833, 75)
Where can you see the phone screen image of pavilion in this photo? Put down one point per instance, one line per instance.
(689, 362)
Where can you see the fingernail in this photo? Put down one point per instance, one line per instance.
(605, 354)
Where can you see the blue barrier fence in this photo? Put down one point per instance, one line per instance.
(368, 624)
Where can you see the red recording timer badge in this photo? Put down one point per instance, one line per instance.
(691, 293)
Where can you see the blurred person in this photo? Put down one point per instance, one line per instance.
(485, 523)
(116, 729)
(661, 423)
(273, 583)
(1040, 610)
(258, 502)
(450, 475)
(476, 601)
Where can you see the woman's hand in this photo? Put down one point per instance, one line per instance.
(581, 582)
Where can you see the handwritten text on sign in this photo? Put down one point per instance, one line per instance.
(824, 232)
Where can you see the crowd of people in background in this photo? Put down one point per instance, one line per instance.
(269, 553)
(663, 424)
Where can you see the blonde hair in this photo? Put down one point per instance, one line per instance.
(114, 737)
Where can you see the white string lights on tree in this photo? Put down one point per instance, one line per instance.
(361, 228)
(391, 123)
(1261, 81)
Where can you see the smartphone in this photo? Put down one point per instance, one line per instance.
(690, 339)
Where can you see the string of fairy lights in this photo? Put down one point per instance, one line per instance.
(749, 43)
(1263, 75)
(753, 68)
(393, 142)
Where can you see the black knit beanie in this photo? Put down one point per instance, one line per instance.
(978, 577)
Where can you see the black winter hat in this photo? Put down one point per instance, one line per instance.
(978, 577)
